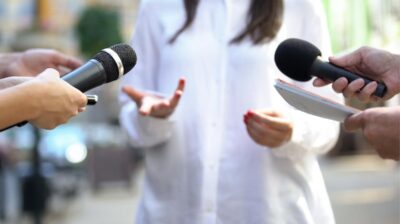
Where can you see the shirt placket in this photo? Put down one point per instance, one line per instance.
(212, 151)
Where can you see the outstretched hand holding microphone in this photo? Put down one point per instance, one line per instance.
(298, 59)
(106, 66)
(372, 63)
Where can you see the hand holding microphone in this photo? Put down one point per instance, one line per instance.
(373, 63)
(106, 66)
(299, 60)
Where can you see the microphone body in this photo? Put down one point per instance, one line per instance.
(332, 72)
(86, 77)
(299, 60)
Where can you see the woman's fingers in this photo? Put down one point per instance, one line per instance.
(146, 106)
(181, 84)
(134, 94)
(154, 105)
(272, 121)
(178, 93)
(175, 99)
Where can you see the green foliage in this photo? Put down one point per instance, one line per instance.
(97, 28)
(349, 23)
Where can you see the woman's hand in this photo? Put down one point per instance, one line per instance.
(268, 127)
(155, 106)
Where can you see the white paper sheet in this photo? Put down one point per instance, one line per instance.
(312, 103)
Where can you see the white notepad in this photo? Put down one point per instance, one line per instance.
(312, 103)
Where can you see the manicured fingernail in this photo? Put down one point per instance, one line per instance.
(245, 119)
(250, 113)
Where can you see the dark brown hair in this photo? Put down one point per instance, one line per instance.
(264, 20)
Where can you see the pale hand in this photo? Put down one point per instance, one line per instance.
(56, 101)
(268, 127)
(155, 106)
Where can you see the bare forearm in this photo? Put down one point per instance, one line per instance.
(17, 105)
(12, 81)
(5, 60)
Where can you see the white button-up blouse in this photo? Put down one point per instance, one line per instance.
(201, 166)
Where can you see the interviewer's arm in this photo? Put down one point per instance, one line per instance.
(13, 81)
(45, 101)
(369, 62)
(35, 61)
(5, 60)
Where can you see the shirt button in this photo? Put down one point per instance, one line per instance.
(209, 209)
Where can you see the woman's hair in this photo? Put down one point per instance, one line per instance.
(264, 20)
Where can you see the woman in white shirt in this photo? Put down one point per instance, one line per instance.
(203, 162)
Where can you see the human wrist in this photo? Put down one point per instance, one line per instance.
(5, 62)
(34, 92)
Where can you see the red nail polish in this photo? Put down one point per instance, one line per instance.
(250, 113)
(245, 119)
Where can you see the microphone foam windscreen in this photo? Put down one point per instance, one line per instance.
(127, 56)
(294, 58)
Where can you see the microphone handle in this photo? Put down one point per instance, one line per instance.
(332, 72)
(88, 76)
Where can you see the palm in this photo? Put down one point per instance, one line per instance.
(155, 106)
(160, 107)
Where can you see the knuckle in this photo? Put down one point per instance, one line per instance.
(49, 126)
(51, 52)
(75, 113)
(369, 134)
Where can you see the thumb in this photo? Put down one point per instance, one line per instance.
(351, 59)
(50, 73)
(354, 122)
(134, 94)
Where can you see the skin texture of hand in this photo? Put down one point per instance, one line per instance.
(35, 61)
(13, 81)
(381, 127)
(369, 62)
(150, 105)
(56, 101)
(268, 127)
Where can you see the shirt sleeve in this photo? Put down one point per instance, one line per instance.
(144, 131)
(311, 134)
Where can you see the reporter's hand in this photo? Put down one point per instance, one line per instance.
(268, 127)
(35, 61)
(56, 101)
(369, 62)
(13, 81)
(381, 127)
(150, 105)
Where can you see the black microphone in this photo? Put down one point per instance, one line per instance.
(106, 66)
(299, 60)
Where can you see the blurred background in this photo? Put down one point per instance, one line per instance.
(86, 169)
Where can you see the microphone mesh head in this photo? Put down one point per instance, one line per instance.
(294, 58)
(127, 56)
